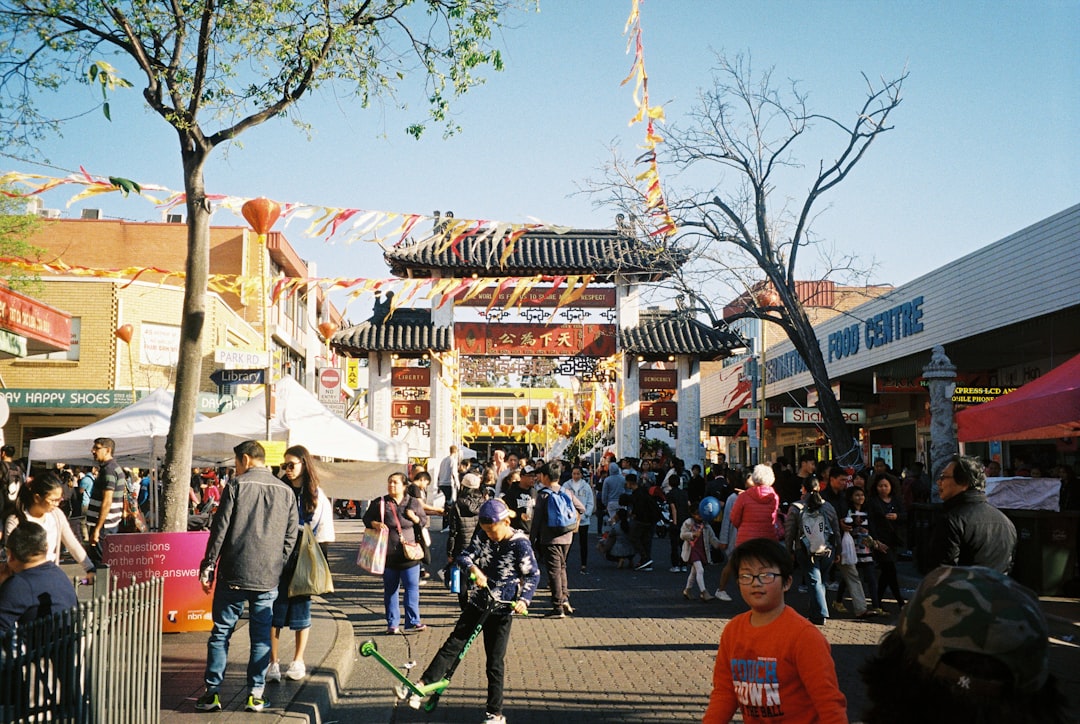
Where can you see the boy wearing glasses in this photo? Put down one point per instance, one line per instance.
(772, 663)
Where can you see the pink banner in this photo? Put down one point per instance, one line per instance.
(176, 558)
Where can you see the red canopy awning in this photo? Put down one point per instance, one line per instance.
(1045, 408)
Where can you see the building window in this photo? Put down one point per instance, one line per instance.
(72, 353)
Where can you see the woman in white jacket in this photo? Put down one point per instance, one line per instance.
(314, 509)
(39, 502)
(582, 490)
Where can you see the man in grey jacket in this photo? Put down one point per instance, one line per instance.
(252, 535)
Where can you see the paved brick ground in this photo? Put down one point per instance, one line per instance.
(635, 651)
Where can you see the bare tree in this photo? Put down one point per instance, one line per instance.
(742, 137)
(238, 65)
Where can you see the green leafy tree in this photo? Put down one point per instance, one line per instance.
(213, 69)
(16, 226)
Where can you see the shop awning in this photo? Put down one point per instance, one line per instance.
(1043, 409)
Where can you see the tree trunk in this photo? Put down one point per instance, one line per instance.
(846, 448)
(178, 445)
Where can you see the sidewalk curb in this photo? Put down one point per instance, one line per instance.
(315, 700)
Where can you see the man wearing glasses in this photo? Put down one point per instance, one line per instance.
(971, 532)
(106, 499)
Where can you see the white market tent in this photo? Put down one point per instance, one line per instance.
(300, 419)
(139, 431)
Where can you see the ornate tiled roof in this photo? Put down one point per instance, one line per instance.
(407, 330)
(599, 252)
(664, 333)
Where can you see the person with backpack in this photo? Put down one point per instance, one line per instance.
(555, 518)
(813, 534)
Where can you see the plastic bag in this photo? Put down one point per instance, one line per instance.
(847, 550)
(312, 576)
(372, 554)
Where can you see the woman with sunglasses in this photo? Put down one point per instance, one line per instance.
(298, 470)
(39, 502)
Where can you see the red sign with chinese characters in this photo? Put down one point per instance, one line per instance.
(410, 377)
(657, 379)
(594, 297)
(35, 321)
(535, 340)
(659, 411)
(410, 409)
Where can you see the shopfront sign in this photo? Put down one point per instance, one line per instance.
(535, 340)
(543, 296)
(978, 395)
(159, 344)
(67, 399)
(38, 322)
(813, 416)
(891, 325)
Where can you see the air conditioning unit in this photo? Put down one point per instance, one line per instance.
(174, 218)
(91, 213)
(49, 213)
(34, 206)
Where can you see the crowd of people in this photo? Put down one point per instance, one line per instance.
(837, 532)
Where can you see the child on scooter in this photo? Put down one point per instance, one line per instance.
(501, 559)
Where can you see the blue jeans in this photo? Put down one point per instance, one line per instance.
(816, 570)
(228, 605)
(409, 579)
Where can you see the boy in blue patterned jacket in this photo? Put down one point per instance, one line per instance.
(501, 559)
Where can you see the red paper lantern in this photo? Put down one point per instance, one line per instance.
(125, 333)
(523, 410)
(466, 412)
(491, 411)
(327, 329)
(262, 214)
(767, 297)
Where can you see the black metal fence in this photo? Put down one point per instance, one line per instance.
(98, 663)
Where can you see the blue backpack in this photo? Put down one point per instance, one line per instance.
(562, 516)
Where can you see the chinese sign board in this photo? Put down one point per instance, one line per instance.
(535, 340)
(593, 297)
(410, 377)
(410, 410)
(659, 411)
(657, 379)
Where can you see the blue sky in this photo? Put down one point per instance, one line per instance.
(985, 142)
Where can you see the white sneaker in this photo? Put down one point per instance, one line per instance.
(723, 595)
(490, 718)
(674, 569)
(296, 670)
(273, 672)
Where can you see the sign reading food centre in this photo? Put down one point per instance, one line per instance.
(174, 557)
(813, 416)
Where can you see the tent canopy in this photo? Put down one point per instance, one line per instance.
(139, 431)
(300, 419)
(1045, 408)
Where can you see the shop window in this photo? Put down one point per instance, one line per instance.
(72, 353)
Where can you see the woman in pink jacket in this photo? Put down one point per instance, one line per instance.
(754, 512)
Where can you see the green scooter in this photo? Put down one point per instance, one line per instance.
(409, 690)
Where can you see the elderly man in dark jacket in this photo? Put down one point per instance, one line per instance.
(972, 532)
(253, 533)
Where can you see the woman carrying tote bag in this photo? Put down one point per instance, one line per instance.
(298, 468)
(403, 516)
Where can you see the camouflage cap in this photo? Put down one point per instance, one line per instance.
(980, 611)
